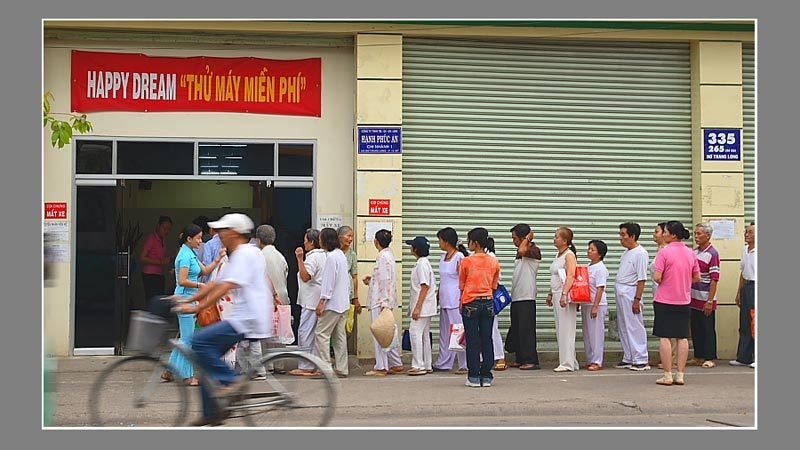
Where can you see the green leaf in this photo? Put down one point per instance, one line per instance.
(53, 138)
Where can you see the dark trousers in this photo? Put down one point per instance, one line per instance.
(478, 316)
(745, 352)
(704, 335)
(521, 337)
(153, 286)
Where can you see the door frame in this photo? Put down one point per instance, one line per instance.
(113, 178)
(82, 351)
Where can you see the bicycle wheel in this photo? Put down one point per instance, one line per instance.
(130, 393)
(287, 400)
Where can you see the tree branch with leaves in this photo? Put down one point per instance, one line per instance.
(62, 130)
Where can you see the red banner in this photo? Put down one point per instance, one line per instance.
(137, 82)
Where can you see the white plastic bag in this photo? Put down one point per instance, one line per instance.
(282, 322)
(457, 337)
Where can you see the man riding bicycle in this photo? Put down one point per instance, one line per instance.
(251, 317)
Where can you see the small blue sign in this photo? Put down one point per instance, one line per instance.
(722, 144)
(380, 140)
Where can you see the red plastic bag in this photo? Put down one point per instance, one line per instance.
(580, 293)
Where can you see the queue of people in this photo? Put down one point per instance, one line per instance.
(684, 284)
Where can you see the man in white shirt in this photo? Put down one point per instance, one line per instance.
(334, 302)
(631, 277)
(746, 300)
(251, 317)
(277, 267)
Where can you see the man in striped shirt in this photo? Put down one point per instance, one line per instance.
(704, 298)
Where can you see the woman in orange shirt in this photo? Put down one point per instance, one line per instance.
(478, 276)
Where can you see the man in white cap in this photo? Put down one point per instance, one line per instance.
(251, 317)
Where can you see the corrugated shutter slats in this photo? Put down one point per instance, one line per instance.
(581, 134)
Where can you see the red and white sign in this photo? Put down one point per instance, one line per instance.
(55, 210)
(135, 82)
(379, 207)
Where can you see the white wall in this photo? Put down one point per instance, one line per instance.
(333, 133)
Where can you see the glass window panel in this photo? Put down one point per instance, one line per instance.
(93, 157)
(236, 159)
(161, 158)
(296, 160)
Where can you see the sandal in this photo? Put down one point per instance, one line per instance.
(299, 372)
(707, 364)
(500, 365)
(192, 381)
(462, 371)
(514, 364)
(529, 367)
(167, 376)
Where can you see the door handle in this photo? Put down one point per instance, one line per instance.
(124, 266)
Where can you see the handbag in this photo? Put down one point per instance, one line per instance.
(407, 340)
(208, 316)
(500, 298)
(579, 292)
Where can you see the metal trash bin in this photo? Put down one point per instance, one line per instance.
(146, 331)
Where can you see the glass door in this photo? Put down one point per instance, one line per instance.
(96, 308)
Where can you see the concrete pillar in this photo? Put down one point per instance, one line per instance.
(719, 185)
(379, 102)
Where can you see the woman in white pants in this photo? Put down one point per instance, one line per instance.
(383, 294)
(566, 314)
(421, 306)
(309, 284)
(594, 315)
(449, 300)
(497, 338)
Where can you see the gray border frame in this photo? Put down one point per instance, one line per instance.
(777, 31)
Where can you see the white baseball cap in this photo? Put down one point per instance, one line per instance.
(239, 223)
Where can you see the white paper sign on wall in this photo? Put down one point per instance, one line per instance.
(329, 221)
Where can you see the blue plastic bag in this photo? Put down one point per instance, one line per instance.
(501, 298)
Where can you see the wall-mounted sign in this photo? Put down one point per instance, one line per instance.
(723, 228)
(56, 230)
(722, 144)
(379, 207)
(329, 221)
(135, 82)
(380, 140)
(373, 227)
(55, 210)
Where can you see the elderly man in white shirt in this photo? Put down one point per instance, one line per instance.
(333, 304)
(277, 267)
(746, 300)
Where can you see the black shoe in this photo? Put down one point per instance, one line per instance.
(623, 365)
(640, 367)
(204, 421)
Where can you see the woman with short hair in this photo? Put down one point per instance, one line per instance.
(309, 286)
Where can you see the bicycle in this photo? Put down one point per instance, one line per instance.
(121, 397)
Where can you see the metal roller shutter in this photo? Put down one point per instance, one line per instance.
(749, 139)
(582, 134)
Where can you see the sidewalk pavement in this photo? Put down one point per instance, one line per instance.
(722, 396)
